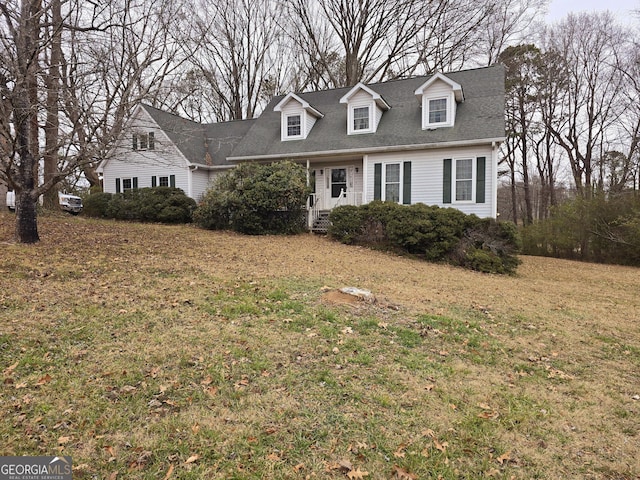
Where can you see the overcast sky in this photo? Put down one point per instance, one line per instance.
(621, 8)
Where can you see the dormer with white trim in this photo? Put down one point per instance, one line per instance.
(364, 109)
(439, 97)
(297, 117)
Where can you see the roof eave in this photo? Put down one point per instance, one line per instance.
(363, 151)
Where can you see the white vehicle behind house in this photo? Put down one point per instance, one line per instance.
(68, 203)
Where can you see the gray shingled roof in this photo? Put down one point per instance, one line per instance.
(195, 140)
(480, 116)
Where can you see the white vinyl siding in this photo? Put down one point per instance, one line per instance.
(310, 121)
(163, 161)
(427, 173)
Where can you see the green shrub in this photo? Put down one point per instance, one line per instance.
(488, 246)
(428, 230)
(347, 223)
(257, 199)
(437, 234)
(95, 204)
(157, 204)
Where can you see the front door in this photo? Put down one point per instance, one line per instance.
(336, 187)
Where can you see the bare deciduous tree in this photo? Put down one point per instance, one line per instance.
(590, 46)
(236, 49)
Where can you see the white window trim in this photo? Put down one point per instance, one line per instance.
(454, 180)
(160, 181)
(383, 186)
(450, 111)
(285, 126)
(122, 180)
(352, 106)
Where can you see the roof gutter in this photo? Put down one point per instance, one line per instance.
(198, 166)
(385, 149)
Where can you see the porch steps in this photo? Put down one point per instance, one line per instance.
(321, 224)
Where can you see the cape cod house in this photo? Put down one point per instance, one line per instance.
(430, 139)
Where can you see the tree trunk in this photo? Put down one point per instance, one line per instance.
(52, 124)
(514, 197)
(26, 218)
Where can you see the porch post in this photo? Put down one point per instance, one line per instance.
(309, 209)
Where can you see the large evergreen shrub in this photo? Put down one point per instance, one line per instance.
(95, 204)
(257, 199)
(157, 204)
(434, 233)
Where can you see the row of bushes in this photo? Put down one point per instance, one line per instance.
(158, 204)
(437, 234)
(602, 229)
(270, 199)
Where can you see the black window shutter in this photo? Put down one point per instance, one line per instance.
(446, 181)
(135, 182)
(135, 142)
(377, 181)
(172, 181)
(480, 179)
(406, 183)
(117, 185)
(151, 141)
(154, 181)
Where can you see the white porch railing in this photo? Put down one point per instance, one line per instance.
(316, 203)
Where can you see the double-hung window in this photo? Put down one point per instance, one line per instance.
(294, 126)
(464, 180)
(144, 141)
(361, 118)
(392, 182)
(438, 111)
(163, 181)
(127, 184)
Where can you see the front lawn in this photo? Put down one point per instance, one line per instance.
(170, 352)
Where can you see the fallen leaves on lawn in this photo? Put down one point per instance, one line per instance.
(169, 472)
(46, 379)
(192, 458)
(402, 474)
(9, 370)
(357, 474)
(440, 446)
(505, 457)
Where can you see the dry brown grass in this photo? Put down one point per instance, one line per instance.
(231, 355)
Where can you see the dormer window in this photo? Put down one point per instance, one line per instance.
(361, 118)
(438, 110)
(294, 126)
(364, 109)
(439, 97)
(297, 117)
